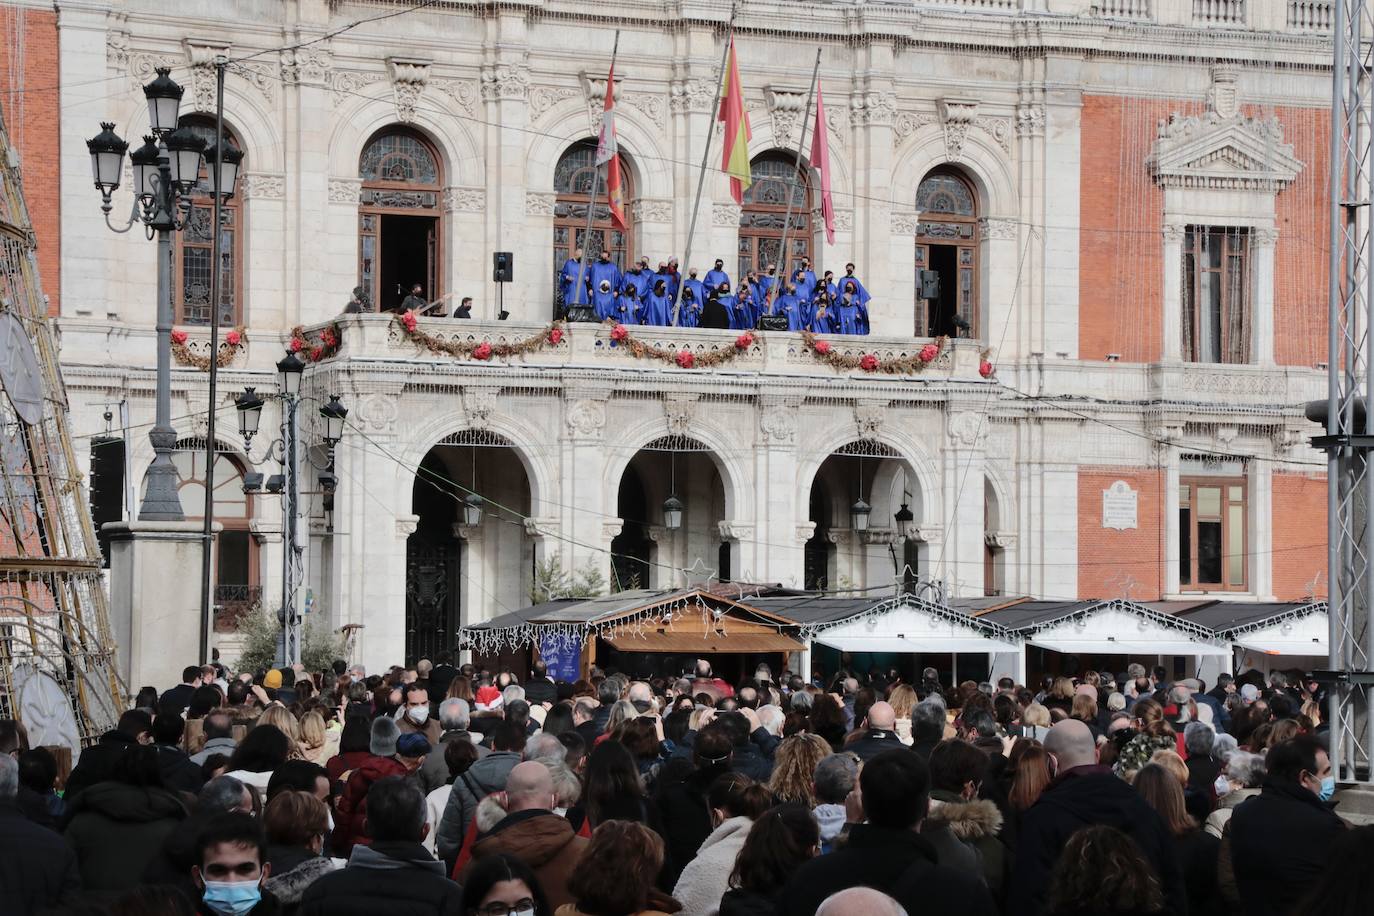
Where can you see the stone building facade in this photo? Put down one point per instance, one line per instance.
(1124, 202)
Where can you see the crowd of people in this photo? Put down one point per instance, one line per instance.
(450, 789)
(599, 291)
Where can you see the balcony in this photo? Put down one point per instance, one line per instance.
(233, 603)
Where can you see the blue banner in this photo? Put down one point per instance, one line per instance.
(563, 657)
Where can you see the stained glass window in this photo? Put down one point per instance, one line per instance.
(399, 157)
(195, 245)
(764, 215)
(572, 183)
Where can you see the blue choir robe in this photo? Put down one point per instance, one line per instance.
(746, 313)
(640, 279)
(670, 279)
(823, 324)
(805, 282)
(657, 310)
(567, 280)
(606, 303)
(714, 278)
(689, 309)
(859, 292)
(627, 308)
(789, 305)
(847, 319)
(697, 287)
(607, 271)
(763, 287)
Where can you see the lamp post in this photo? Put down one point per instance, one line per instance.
(249, 406)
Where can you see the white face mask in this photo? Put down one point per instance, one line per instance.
(1222, 786)
(418, 714)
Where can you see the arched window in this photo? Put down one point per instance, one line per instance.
(572, 182)
(195, 244)
(399, 222)
(765, 210)
(946, 256)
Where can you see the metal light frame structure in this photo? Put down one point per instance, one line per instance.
(1349, 437)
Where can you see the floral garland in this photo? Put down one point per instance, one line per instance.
(870, 362)
(551, 336)
(233, 342)
(303, 347)
(684, 358)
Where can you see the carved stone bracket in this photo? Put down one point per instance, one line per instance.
(786, 108)
(408, 79)
(505, 82)
(586, 418)
(610, 528)
(536, 528)
(735, 531)
(1001, 540)
(957, 115)
(467, 532)
(406, 525)
(306, 66)
(805, 531)
(872, 107)
(594, 88)
(881, 536)
(927, 534)
(691, 95)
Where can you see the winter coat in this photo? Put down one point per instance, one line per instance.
(874, 742)
(37, 870)
(341, 765)
(739, 902)
(1226, 806)
(543, 841)
(749, 759)
(975, 824)
(1202, 774)
(831, 819)
(1081, 797)
(350, 828)
(900, 863)
(686, 817)
(434, 771)
(97, 763)
(706, 878)
(212, 747)
(293, 871)
(116, 830)
(386, 877)
(1279, 846)
(1197, 856)
(178, 772)
(484, 777)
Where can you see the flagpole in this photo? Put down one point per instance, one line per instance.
(591, 200)
(705, 161)
(787, 220)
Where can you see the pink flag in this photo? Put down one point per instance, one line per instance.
(820, 161)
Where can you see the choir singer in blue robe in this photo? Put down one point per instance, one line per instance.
(848, 278)
(695, 286)
(717, 275)
(821, 320)
(567, 281)
(658, 306)
(605, 301)
(604, 269)
(689, 309)
(788, 304)
(629, 304)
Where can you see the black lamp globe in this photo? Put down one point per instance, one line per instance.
(164, 101)
(144, 160)
(472, 510)
(334, 414)
(289, 371)
(185, 150)
(230, 159)
(672, 513)
(858, 515)
(249, 405)
(107, 150)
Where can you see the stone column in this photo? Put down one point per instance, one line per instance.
(505, 89)
(467, 268)
(872, 118)
(1170, 458)
(475, 581)
(1002, 258)
(691, 124)
(962, 481)
(1259, 530)
(582, 458)
(154, 603)
(1173, 292)
(315, 287)
(778, 506)
(1063, 126)
(1027, 331)
(1262, 313)
(272, 289)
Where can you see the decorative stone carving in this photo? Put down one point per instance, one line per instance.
(468, 200)
(1265, 237)
(999, 129)
(408, 79)
(378, 411)
(1030, 121)
(1223, 149)
(587, 419)
(805, 531)
(542, 98)
(880, 536)
(651, 105)
(594, 88)
(735, 531)
(778, 424)
(1173, 233)
(786, 108)
(1225, 435)
(957, 115)
(872, 107)
(259, 185)
(691, 95)
(908, 122)
(539, 204)
(305, 66)
(927, 534)
(542, 527)
(1000, 540)
(478, 404)
(347, 83)
(725, 215)
(406, 524)
(966, 429)
(868, 419)
(117, 49)
(467, 532)
(202, 54)
(844, 220)
(610, 528)
(463, 92)
(505, 81)
(651, 210)
(679, 410)
(1002, 229)
(904, 223)
(345, 191)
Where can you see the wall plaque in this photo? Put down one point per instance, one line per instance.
(1120, 506)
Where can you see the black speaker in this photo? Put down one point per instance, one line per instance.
(930, 284)
(776, 322)
(502, 266)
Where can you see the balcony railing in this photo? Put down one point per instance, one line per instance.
(1122, 9)
(232, 603)
(1219, 12)
(1309, 15)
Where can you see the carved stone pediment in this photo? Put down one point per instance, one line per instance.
(1223, 149)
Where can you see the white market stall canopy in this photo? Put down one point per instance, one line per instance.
(1106, 628)
(1273, 629)
(905, 623)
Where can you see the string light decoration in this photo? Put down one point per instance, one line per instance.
(185, 355)
(940, 612)
(1146, 615)
(1289, 616)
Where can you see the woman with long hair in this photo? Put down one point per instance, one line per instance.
(460, 688)
(558, 719)
(615, 876)
(318, 744)
(736, 801)
(903, 700)
(794, 767)
(501, 883)
(280, 718)
(261, 751)
(640, 737)
(782, 838)
(827, 720)
(1102, 870)
(1197, 850)
(613, 790)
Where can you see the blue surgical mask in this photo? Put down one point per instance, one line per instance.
(232, 898)
(1328, 788)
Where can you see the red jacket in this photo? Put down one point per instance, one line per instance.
(352, 807)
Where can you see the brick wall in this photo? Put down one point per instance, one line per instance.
(1121, 248)
(1120, 564)
(31, 104)
(1299, 535)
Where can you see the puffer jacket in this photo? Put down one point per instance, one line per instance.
(976, 824)
(386, 877)
(706, 878)
(351, 829)
(484, 777)
(543, 841)
(116, 830)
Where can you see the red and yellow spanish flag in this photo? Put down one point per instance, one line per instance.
(608, 152)
(737, 134)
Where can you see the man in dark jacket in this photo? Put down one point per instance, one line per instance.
(37, 869)
(1083, 794)
(683, 806)
(484, 777)
(454, 719)
(1280, 840)
(887, 852)
(395, 874)
(584, 721)
(540, 689)
(178, 698)
(880, 735)
(927, 727)
(746, 755)
(178, 772)
(98, 763)
(534, 834)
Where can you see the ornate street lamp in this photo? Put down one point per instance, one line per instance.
(164, 101)
(672, 513)
(858, 515)
(249, 405)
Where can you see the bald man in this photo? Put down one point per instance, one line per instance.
(1083, 794)
(880, 736)
(860, 901)
(532, 833)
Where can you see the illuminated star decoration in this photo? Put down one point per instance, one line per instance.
(698, 574)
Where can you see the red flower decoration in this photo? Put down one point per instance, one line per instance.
(329, 338)
(686, 359)
(178, 337)
(556, 336)
(985, 369)
(868, 362)
(482, 351)
(822, 347)
(296, 345)
(409, 320)
(316, 354)
(744, 341)
(233, 338)
(619, 332)
(929, 352)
